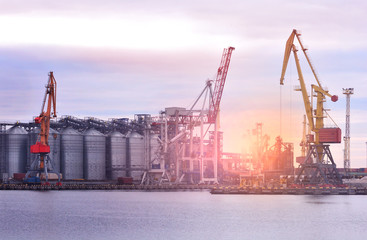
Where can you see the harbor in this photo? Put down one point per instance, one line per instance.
(183, 120)
(213, 189)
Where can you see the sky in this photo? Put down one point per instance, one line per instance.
(120, 58)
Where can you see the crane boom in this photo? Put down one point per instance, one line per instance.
(219, 84)
(287, 53)
(45, 116)
(321, 93)
(306, 99)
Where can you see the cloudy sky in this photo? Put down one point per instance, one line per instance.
(119, 58)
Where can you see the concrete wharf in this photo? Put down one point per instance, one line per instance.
(214, 189)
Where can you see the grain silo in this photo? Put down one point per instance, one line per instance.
(94, 155)
(3, 171)
(116, 155)
(71, 154)
(136, 155)
(16, 143)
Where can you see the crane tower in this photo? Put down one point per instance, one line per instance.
(319, 166)
(347, 92)
(43, 164)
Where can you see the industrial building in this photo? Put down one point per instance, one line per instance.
(146, 148)
(97, 150)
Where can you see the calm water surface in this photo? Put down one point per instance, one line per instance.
(179, 215)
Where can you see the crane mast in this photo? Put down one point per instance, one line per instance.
(43, 162)
(319, 159)
(303, 143)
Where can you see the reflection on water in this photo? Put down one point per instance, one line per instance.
(320, 202)
(178, 215)
(325, 199)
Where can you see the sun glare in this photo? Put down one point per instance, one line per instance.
(153, 33)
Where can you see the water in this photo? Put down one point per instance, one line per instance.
(178, 215)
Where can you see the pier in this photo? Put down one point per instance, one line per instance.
(213, 189)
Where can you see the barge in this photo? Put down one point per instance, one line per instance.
(291, 191)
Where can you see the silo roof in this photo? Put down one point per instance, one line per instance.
(16, 130)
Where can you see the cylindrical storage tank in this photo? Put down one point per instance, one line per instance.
(2, 154)
(71, 154)
(16, 142)
(116, 155)
(54, 141)
(136, 153)
(94, 155)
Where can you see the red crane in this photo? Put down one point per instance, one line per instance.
(41, 146)
(43, 163)
(219, 84)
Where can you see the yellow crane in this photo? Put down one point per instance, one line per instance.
(318, 150)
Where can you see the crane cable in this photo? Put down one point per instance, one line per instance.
(331, 118)
(280, 110)
(290, 101)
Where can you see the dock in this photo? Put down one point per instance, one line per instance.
(213, 189)
(91, 186)
(291, 191)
